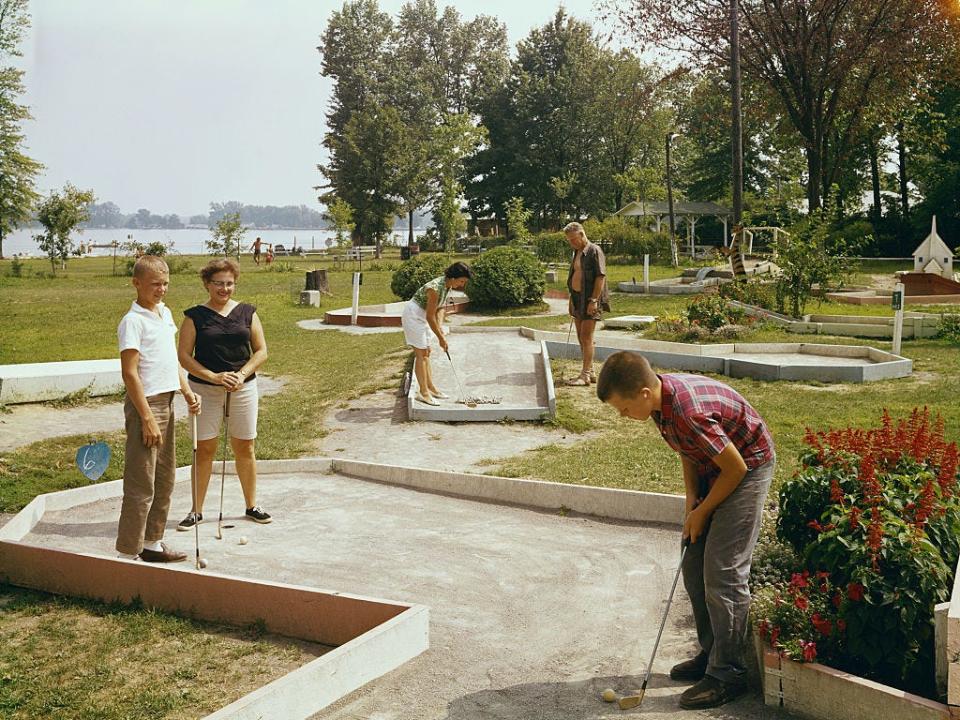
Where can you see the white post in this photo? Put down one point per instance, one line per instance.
(646, 274)
(897, 302)
(356, 298)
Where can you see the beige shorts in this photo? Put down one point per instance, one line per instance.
(244, 406)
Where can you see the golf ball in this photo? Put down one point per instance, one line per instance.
(243, 540)
(608, 695)
(203, 562)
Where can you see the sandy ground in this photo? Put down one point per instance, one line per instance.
(30, 422)
(374, 428)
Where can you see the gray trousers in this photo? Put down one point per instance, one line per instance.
(716, 573)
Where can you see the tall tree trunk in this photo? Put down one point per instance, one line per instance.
(875, 177)
(814, 175)
(902, 154)
(736, 125)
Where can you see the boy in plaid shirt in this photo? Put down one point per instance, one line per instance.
(728, 459)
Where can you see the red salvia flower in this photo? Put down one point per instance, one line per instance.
(855, 591)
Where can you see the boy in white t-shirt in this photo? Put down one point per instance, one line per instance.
(151, 375)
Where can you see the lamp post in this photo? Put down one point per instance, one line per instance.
(673, 230)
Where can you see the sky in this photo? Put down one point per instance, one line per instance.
(171, 104)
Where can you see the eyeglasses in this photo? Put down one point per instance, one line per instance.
(224, 284)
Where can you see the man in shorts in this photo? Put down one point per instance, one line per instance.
(587, 284)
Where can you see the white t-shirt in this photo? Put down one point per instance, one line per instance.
(154, 336)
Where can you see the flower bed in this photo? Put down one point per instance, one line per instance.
(873, 522)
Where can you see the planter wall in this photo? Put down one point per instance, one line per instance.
(817, 692)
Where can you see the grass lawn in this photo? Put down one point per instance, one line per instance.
(79, 660)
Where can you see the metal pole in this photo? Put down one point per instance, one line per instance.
(736, 128)
(646, 274)
(673, 230)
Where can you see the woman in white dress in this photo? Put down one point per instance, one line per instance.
(421, 316)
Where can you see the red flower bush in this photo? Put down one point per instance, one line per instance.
(876, 510)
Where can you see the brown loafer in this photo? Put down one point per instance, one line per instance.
(166, 555)
(709, 693)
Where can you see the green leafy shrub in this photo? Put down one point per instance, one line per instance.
(749, 292)
(712, 312)
(949, 328)
(16, 267)
(876, 513)
(621, 238)
(506, 277)
(415, 272)
(808, 258)
(552, 247)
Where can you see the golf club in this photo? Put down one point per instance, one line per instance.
(463, 396)
(631, 701)
(193, 489)
(223, 461)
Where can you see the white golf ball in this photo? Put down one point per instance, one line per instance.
(243, 540)
(203, 562)
(608, 695)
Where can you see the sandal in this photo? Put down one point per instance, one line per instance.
(579, 381)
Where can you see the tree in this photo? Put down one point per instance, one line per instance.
(340, 215)
(517, 218)
(366, 165)
(18, 172)
(104, 215)
(60, 214)
(354, 53)
(226, 236)
(825, 60)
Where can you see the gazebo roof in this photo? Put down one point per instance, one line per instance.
(681, 207)
(933, 245)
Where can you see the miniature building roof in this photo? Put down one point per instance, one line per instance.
(681, 207)
(933, 267)
(933, 246)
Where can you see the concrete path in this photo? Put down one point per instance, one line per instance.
(27, 423)
(374, 428)
(532, 614)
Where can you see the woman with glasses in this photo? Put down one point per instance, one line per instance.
(221, 347)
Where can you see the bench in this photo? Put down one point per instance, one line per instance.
(360, 251)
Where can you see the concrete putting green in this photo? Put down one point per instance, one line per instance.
(534, 611)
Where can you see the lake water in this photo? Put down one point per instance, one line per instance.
(189, 241)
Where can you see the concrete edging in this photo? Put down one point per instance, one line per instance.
(721, 358)
(38, 382)
(372, 636)
(613, 503)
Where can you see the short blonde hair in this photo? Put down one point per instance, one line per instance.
(574, 227)
(148, 264)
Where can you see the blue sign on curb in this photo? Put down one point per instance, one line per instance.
(93, 459)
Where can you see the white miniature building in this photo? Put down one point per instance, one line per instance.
(933, 255)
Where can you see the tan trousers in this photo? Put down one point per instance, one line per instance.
(148, 477)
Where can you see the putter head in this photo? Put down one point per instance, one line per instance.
(628, 702)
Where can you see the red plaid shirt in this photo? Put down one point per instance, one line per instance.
(700, 416)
